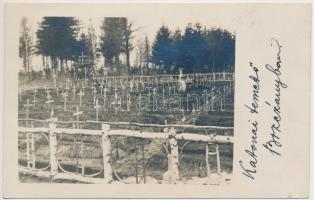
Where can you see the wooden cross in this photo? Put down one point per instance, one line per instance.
(67, 84)
(77, 113)
(54, 80)
(49, 98)
(27, 105)
(82, 62)
(109, 85)
(64, 95)
(128, 102)
(85, 74)
(163, 91)
(131, 86)
(115, 88)
(82, 58)
(116, 103)
(193, 114)
(183, 117)
(123, 88)
(83, 87)
(136, 86)
(101, 88)
(81, 94)
(34, 101)
(94, 91)
(79, 145)
(105, 92)
(97, 107)
(73, 92)
(222, 102)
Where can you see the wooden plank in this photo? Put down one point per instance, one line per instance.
(204, 138)
(130, 133)
(33, 130)
(77, 131)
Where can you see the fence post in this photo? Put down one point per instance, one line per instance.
(174, 157)
(208, 170)
(53, 149)
(106, 152)
(33, 147)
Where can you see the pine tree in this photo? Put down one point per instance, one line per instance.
(162, 51)
(57, 38)
(112, 40)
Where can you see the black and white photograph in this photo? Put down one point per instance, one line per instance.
(156, 100)
(116, 100)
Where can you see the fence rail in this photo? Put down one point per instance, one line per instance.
(169, 134)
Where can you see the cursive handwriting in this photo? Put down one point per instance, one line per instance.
(250, 168)
(256, 87)
(274, 142)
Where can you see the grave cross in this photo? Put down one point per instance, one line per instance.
(64, 95)
(81, 94)
(54, 80)
(82, 58)
(183, 117)
(82, 63)
(73, 92)
(77, 113)
(222, 102)
(34, 100)
(131, 86)
(116, 104)
(101, 88)
(83, 87)
(193, 114)
(169, 89)
(136, 86)
(27, 105)
(128, 102)
(49, 100)
(123, 88)
(105, 92)
(95, 92)
(97, 107)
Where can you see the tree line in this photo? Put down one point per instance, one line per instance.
(63, 45)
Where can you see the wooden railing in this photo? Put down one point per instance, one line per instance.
(169, 134)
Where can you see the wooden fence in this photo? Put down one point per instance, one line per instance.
(169, 134)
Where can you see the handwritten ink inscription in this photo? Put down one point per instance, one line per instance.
(272, 144)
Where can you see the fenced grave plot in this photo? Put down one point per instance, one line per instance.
(133, 160)
(79, 154)
(205, 162)
(130, 130)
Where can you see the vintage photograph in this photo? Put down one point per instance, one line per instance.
(121, 101)
(156, 100)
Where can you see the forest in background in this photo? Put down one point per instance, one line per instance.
(66, 49)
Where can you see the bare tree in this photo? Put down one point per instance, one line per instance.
(26, 46)
(143, 54)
